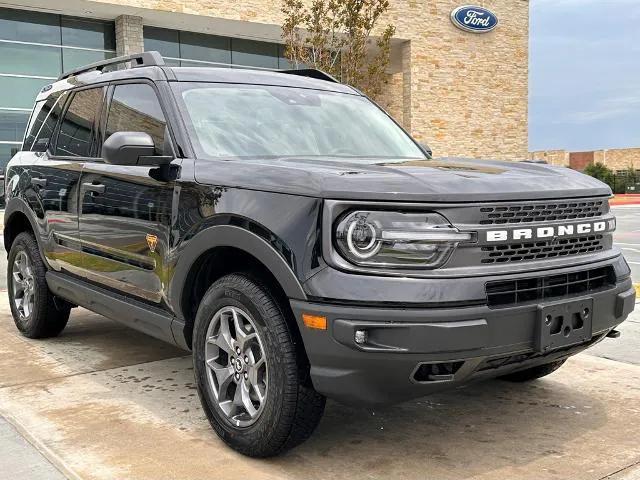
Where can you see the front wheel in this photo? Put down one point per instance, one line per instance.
(252, 383)
(36, 312)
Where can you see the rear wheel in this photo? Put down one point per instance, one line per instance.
(534, 372)
(36, 312)
(252, 384)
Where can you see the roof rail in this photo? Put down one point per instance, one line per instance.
(311, 72)
(144, 59)
(303, 72)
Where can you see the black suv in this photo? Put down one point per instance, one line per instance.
(285, 229)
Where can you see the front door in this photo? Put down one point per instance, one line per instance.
(125, 214)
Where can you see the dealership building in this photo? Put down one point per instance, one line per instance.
(463, 93)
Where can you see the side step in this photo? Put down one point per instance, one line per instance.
(132, 313)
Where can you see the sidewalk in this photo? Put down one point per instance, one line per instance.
(625, 199)
(20, 460)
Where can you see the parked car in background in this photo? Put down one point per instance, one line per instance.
(286, 230)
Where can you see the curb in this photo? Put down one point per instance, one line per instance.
(637, 287)
(53, 458)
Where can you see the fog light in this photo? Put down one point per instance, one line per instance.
(361, 337)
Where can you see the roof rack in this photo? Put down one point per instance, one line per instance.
(154, 59)
(303, 72)
(144, 59)
(311, 72)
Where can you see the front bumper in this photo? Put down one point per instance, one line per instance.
(466, 343)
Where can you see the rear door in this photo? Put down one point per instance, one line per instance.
(125, 214)
(50, 173)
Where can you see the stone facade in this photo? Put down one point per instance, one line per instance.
(129, 39)
(464, 94)
(552, 157)
(616, 159)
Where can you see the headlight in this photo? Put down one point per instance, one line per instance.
(397, 239)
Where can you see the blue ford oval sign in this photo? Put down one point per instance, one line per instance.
(474, 19)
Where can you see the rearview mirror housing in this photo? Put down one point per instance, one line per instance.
(133, 149)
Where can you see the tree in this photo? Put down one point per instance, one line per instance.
(335, 36)
(601, 172)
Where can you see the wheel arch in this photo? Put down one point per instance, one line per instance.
(223, 249)
(17, 219)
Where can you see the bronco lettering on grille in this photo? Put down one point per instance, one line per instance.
(545, 232)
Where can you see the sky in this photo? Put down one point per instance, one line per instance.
(584, 74)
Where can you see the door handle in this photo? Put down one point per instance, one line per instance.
(39, 182)
(93, 187)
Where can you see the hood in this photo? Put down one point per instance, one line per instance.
(439, 180)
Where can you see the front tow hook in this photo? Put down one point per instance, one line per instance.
(613, 334)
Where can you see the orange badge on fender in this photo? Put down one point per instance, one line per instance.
(152, 241)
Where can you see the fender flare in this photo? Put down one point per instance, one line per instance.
(18, 205)
(236, 237)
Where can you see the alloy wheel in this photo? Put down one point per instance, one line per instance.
(236, 366)
(23, 284)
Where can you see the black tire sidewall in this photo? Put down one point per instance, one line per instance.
(25, 243)
(227, 292)
(48, 317)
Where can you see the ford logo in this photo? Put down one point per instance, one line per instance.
(474, 19)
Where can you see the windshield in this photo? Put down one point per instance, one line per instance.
(257, 121)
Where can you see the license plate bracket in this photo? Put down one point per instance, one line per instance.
(562, 324)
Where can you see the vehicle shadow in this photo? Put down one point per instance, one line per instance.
(460, 434)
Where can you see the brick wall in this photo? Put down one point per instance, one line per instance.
(552, 157)
(580, 160)
(462, 93)
(615, 159)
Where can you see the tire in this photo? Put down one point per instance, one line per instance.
(290, 409)
(47, 316)
(534, 372)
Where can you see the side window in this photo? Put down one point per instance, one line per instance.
(43, 122)
(135, 108)
(76, 128)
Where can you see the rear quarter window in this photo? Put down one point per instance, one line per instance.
(43, 122)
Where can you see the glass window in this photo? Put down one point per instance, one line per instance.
(20, 59)
(19, 92)
(165, 41)
(254, 121)
(72, 58)
(135, 108)
(255, 54)
(12, 125)
(74, 137)
(7, 151)
(44, 125)
(78, 32)
(29, 26)
(210, 48)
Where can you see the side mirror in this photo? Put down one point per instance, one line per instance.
(132, 148)
(426, 149)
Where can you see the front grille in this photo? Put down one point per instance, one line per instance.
(539, 250)
(502, 293)
(545, 212)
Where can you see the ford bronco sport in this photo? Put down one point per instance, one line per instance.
(286, 230)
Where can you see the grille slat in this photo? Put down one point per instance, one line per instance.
(512, 292)
(539, 250)
(542, 212)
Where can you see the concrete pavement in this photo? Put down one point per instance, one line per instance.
(105, 402)
(21, 460)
